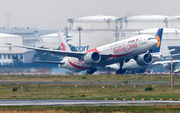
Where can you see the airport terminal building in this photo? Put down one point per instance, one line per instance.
(21, 36)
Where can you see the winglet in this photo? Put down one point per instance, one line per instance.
(159, 38)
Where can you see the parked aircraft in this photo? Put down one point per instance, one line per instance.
(166, 64)
(120, 51)
(132, 66)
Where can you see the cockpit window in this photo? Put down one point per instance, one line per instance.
(151, 38)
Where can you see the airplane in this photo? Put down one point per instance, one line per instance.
(104, 55)
(166, 64)
(133, 67)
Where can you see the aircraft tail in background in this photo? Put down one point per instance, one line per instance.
(159, 38)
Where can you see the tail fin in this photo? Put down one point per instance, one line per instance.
(159, 38)
(64, 45)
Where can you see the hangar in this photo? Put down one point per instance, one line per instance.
(7, 53)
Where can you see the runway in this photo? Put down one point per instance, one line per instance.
(85, 102)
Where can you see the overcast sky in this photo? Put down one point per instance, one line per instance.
(53, 14)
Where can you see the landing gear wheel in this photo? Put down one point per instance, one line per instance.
(91, 70)
(120, 71)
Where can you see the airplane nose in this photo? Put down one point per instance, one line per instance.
(153, 44)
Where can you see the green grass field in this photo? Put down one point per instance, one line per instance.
(91, 109)
(88, 91)
(93, 78)
(92, 90)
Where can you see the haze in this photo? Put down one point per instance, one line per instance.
(53, 14)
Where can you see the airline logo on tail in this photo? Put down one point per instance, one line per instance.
(159, 38)
(159, 41)
(63, 47)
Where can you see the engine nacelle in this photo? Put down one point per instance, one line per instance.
(167, 66)
(92, 57)
(144, 59)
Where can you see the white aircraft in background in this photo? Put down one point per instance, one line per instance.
(132, 67)
(166, 64)
(103, 55)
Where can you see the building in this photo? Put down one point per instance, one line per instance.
(29, 35)
(98, 28)
(145, 21)
(50, 41)
(93, 22)
(7, 53)
(22, 36)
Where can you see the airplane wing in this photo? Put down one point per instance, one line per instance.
(163, 52)
(50, 62)
(59, 52)
(173, 55)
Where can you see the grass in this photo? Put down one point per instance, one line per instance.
(96, 78)
(91, 109)
(89, 91)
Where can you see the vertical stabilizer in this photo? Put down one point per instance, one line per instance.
(64, 45)
(159, 38)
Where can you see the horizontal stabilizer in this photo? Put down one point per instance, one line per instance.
(163, 52)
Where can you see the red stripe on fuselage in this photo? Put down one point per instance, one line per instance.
(76, 66)
(92, 50)
(114, 56)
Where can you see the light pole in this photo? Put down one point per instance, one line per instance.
(171, 72)
(79, 29)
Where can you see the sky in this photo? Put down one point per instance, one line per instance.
(53, 14)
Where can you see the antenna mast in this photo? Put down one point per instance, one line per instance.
(8, 20)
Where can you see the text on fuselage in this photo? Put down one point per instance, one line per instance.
(124, 48)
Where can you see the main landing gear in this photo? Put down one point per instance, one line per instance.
(121, 70)
(91, 70)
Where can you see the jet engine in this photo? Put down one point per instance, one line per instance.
(92, 58)
(167, 66)
(144, 59)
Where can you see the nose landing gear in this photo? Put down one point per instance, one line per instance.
(91, 70)
(121, 70)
